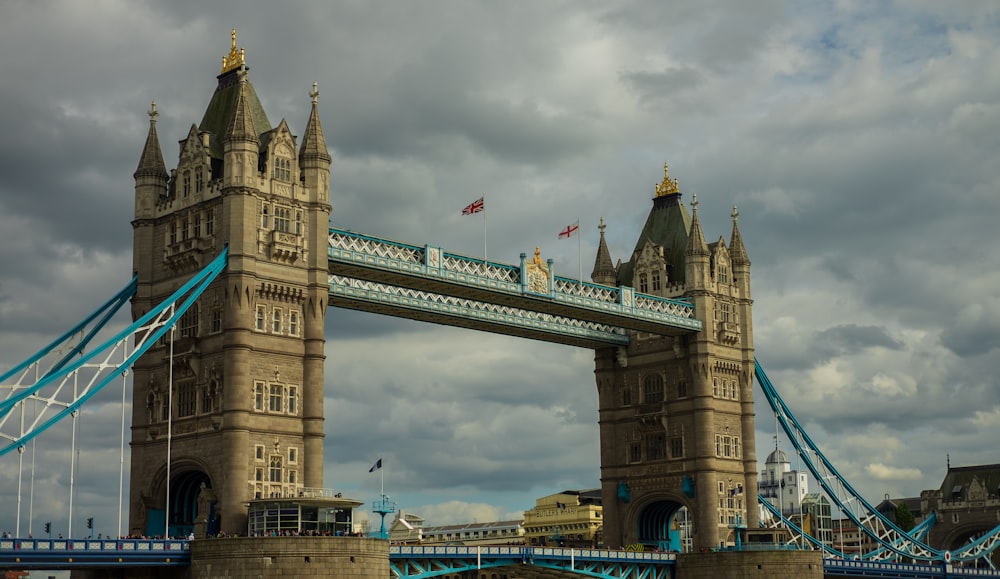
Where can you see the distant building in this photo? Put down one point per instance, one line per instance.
(783, 487)
(967, 506)
(472, 534)
(566, 519)
(815, 517)
(407, 529)
(788, 491)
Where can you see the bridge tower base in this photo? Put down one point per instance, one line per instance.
(746, 564)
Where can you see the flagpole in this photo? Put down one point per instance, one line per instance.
(485, 255)
(579, 251)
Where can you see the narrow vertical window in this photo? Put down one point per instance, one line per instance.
(260, 318)
(187, 183)
(275, 398)
(265, 217)
(292, 396)
(209, 222)
(258, 403)
(199, 180)
(276, 321)
(293, 323)
(643, 283)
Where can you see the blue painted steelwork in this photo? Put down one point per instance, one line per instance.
(428, 306)
(80, 553)
(59, 386)
(428, 268)
(891, 539)
(420, 562)
(886, 570)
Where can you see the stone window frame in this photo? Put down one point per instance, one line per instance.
(277, 321)
(294, 322)
(292, 399)
(261, 318)
(258, 392)
(275, 398)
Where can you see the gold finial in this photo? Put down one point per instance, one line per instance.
(236, 58)
(314, 93)
(538, 256)
(153, 113)
(667, 186)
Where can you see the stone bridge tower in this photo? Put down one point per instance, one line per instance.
(676, 412)
(238, 385)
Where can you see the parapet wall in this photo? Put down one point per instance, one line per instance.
(751, 565)
(299, 557)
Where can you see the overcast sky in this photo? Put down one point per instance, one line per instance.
(859, 141)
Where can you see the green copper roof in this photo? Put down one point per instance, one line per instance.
(668, 224)
(220, 111)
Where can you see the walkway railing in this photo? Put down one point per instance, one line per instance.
(70, 553)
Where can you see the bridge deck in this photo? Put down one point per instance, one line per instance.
(381, 275)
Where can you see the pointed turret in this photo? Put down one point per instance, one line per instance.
(313, 142)
(736, 248)
(151, 175)
(151, 161)
(241, 126)
(604, 269)
(696, 244)
(696, 254)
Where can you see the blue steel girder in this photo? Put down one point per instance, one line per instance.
(430, 269)
(425, 306)
(419, 562)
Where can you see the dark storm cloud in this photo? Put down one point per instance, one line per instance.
(857, 140)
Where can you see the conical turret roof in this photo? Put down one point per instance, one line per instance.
(314, 142)
(604, 268)
(666, 225)
(737, 250)
(219, 113)
(151, 161)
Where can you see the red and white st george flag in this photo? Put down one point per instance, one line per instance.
(570, 230)
(474, 207)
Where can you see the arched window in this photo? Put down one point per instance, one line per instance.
(275, 470)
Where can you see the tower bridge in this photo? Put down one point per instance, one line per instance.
(229, 405)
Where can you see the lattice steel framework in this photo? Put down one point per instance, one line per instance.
(893, 542)
(499, 318)
(45, 394)
(431, 269)
(421, 562)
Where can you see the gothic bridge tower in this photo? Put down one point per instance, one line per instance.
(238, 385)
(676, 412)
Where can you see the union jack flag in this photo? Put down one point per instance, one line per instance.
(474, 207)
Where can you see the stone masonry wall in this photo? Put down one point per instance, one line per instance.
(286, 557)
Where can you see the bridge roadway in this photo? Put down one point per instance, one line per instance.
(426, 283)
(424, 562)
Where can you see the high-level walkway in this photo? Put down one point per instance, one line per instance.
(426, 283)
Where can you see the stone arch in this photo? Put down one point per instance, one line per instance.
(656, 523)
(192, 504)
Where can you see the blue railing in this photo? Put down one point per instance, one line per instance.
(71, 553)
